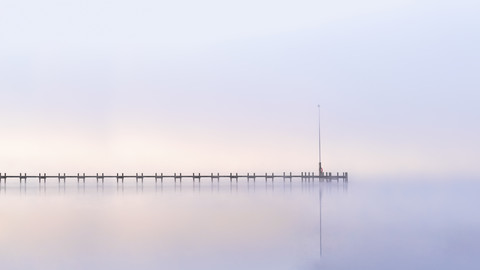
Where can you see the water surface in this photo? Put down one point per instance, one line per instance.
(262, 225)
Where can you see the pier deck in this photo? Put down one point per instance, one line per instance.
(327, 176)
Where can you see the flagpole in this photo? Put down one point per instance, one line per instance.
(320, 170)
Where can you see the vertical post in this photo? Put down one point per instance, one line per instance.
(320, 169)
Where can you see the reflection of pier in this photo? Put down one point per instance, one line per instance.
(304, 176)
(65, 185)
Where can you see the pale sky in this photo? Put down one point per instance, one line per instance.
(207, 86)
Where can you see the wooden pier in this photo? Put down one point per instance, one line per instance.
(120, 178)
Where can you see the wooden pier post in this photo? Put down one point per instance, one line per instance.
(23, 177)
(40, 177)
(139, 177)
(60, 177)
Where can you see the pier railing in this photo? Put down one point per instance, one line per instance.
(303, 176)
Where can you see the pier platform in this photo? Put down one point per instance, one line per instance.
(121, 177)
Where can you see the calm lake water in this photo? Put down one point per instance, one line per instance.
(390, 224)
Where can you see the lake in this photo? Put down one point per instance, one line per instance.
(362, 224)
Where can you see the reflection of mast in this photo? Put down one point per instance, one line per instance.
(320, 223)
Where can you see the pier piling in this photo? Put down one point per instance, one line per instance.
(303, 177)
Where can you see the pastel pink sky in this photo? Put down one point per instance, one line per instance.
(188, 86)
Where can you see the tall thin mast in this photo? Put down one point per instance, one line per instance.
(320, 170)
